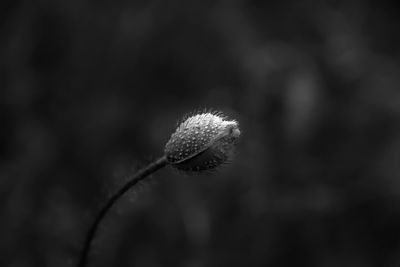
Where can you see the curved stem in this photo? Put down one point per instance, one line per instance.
(140, 175)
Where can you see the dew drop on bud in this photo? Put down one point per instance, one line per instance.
(207, 140)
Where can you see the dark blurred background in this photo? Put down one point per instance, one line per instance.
(92, 90)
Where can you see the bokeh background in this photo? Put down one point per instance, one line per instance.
(92, 90)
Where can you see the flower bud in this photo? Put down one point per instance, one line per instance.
(202, 142)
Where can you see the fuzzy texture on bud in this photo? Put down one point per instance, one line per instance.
(202, 142)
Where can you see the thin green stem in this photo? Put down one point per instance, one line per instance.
(140, 175)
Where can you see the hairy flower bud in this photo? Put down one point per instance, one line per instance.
(202, 142)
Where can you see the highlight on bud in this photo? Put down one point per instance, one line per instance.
(202, 142)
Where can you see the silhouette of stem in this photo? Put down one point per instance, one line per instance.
(140, 175)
